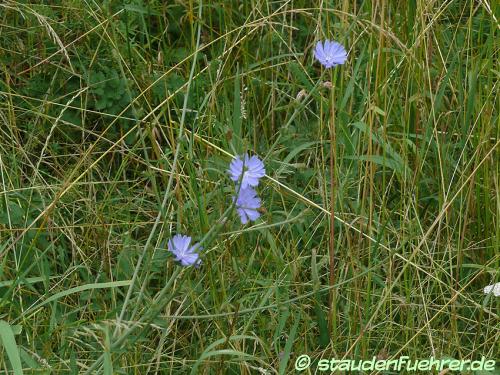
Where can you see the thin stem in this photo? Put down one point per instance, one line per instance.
(169, 184)
(332, 297)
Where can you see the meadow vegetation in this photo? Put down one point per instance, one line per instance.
(118, 122)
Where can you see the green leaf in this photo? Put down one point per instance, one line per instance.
(9, 343)
(108, 362)
(28, 359)
(288, 345)
(324, 338)
(210, 353)
(295, 151)
(237, 132)
(380, 160)
(393, 159)
(300, 75)
(79, 289)
(137, 8)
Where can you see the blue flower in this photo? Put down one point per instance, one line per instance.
(247, 204)
(179, 246)
(251, 168)
(330, 53)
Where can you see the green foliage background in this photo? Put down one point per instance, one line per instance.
(117, 124)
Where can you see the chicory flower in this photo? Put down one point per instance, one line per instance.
(247, 204)
(330, 53)
(251, 168)
(179, 246)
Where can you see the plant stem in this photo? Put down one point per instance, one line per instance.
(332, 321)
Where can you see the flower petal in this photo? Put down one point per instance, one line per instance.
(252, 214)
(243, 215)
(189, 259)
(330, 53)
(319, 52)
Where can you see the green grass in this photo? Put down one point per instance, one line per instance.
(117, 124)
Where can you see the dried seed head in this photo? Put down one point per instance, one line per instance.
(302, 94)
(327, 84)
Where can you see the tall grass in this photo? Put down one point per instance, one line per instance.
(118, 122)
